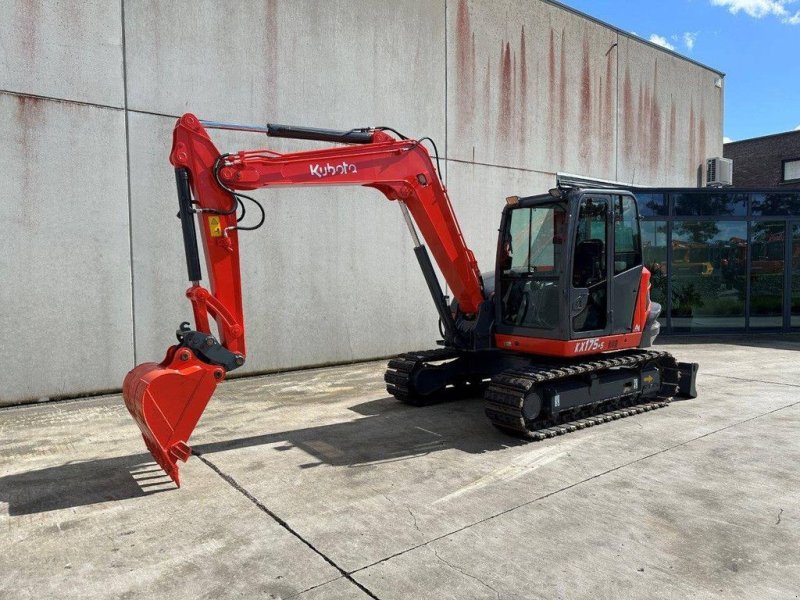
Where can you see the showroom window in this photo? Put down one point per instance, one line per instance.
(703, 204)
(708, 268)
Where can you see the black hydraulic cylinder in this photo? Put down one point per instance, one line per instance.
(186, 214)
(354, 136)
(436, 293)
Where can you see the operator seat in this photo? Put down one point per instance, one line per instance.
(589, 268)
(589, 271)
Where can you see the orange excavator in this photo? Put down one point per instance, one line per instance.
(555, 337)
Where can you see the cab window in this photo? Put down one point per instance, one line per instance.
(531, 265)
(534, 241)
(627, 253)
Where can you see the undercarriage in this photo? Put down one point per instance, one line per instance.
(538, 397)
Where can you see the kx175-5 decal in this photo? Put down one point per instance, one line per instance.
(590, 345)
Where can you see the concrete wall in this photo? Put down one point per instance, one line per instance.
(93, 274)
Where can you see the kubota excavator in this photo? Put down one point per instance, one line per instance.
(555, 337)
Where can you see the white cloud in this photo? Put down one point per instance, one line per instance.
(726, 140)
(689, 38)
(761, 8)
(661, 41)
(797, 128)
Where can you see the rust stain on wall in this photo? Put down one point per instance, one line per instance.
(28, 16)
(642, 127)
(608, 111)
(563, 109)
(523, 90)
(552, 88)
(513, 80)
(692, 141)
(672, 135)
(598, 107)
(628, 116)
(586, 104)
(473, 70)
(640, 119)
(487, 90)
(465, 67)
(655, 125)
(702, 132)
(505, 74)
(30, 117)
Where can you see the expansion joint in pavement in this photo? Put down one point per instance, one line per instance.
(238, 487)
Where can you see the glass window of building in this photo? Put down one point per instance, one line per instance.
(654, 254)
(722, 259)
(767, 246)
(791, 170)
(710, 204)
(795, 270)
(708, 272)
(776, 205)
(652, 205)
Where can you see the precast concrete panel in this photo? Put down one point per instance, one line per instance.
(337, 64)
(66, 50)
(512, 92)
(478, 194)
(66, 288)
(330, 277)
(532, 86)
(670, 117)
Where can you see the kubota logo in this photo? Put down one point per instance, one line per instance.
(328, 169)
(590, 345)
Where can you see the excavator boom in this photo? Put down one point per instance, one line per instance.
(166, 399)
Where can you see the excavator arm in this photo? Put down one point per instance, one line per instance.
(167, 399)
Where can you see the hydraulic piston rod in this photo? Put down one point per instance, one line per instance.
(352, 136)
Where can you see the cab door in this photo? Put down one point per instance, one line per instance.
(626, 265)
(590, 287)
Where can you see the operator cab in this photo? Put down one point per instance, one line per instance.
(569, 266)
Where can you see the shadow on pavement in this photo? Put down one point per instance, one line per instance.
(81, 483)
(388, 431)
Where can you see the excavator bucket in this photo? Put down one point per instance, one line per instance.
(166, 400)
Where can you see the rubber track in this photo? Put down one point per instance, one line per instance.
(400, 369)
(505, 396)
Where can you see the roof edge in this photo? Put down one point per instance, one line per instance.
(630, 35)
(761, 137)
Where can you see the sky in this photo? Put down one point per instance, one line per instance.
(756, 43)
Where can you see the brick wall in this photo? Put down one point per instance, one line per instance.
(757, 162)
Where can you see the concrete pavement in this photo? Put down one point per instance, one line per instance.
(315, 484)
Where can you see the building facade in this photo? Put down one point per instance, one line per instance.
(512, 92)
(768, 161)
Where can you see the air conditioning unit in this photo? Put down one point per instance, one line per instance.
(719, 172)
